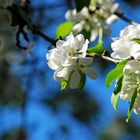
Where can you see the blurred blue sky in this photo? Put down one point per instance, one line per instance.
(42, 121)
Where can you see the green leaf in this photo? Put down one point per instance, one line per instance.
(136, 40)
(82, 81)
(98, 49)
(81, 3)
(116, 94)
(115, 100)
(131, 105)
(64, 84)
(118, 86)
(115, 73)
(64, 29)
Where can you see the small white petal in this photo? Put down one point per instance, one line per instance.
(83, 50)
(111, 19)
(75, 80)
(94, 35)
(60, 43)
(55, 77)
(64, 73)
(85, 12)
(88, 71)
(81, 39)
(137, 110)
(86, 61)
(71, 15)
(78, 27)
(124, 96)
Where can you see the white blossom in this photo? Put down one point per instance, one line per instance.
(94, 18)
(131, 82)
(69, 59)
(125, 46)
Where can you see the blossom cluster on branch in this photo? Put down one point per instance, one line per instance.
(126, 46)
(91, 19)
(72, 57)
(94, 20)
(69, 61)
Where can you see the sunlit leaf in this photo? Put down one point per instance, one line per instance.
(115, 73)
(98, 49)
(64, 84)
(118, 86)
(64, 29)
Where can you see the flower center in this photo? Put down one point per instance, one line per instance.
(73, 52)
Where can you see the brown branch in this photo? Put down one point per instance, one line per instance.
(47, 38)
(126, 19)
(104, 57)
(19, 12)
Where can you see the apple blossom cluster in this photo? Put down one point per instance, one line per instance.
(127, 46)
(69, 60)
(7, 32)
(98, 15)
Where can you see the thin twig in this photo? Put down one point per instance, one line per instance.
(110, 59)
(103, 57)
(20, 13)
(47, 38)
(126, 19)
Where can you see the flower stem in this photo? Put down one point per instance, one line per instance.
(100, 35)
(103, 57)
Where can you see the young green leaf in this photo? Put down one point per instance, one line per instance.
(118, 86)
(115, 73)
(131, 105)
(64, 84)
(64, 29)
(81, 3)
(98, 49)
(136, 40)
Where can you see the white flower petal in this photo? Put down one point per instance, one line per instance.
(83, 19)
(111, 19)
(124, 47)
(64, 73)
(55, 77)
(75, 79)
(68, 56)
(88, 71)
(83, 50)
(78, 27)
(71, 15)
(94, 35)
(60, 43)
(85, 61)
(81, 39)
